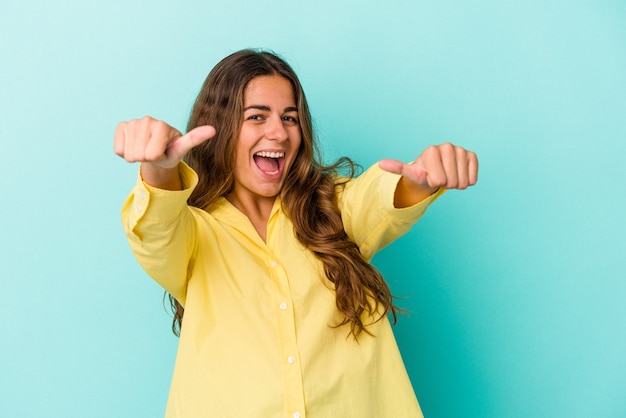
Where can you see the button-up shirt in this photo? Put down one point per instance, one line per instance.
(258, 337)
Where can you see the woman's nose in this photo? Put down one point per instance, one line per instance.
(275, 129)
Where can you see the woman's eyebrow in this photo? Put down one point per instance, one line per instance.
(265, 108)
(258, 107)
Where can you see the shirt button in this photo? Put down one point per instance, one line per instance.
(274, 264)
(296, 415)
(291, 359)
(283, 306)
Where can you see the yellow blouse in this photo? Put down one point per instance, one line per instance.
(257, 337)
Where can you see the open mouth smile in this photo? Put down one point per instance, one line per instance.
(269, 162)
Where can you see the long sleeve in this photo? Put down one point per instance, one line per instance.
(160, 229)
(368, 214)
(266, 311)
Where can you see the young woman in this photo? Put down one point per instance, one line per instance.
(265, 250)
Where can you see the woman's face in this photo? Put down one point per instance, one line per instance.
(269, 138)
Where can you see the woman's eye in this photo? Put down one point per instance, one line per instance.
(290, 119)
(255, 117)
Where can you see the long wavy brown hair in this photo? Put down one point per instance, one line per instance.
(308, 194)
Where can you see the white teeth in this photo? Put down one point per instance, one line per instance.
(270, 154)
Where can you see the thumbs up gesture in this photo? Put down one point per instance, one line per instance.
(159, 147)
(439, 166)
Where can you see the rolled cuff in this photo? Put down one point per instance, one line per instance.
(156, 205)
(388, 184)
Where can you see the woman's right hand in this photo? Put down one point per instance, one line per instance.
(159, 147)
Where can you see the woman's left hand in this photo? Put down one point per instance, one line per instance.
(446, 165)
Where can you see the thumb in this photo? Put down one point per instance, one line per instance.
(191, 139)
(414, 172)
(392, 166)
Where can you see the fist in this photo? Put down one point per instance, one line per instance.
(445, 165)
(152, 141)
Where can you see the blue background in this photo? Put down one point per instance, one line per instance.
(517, 287)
